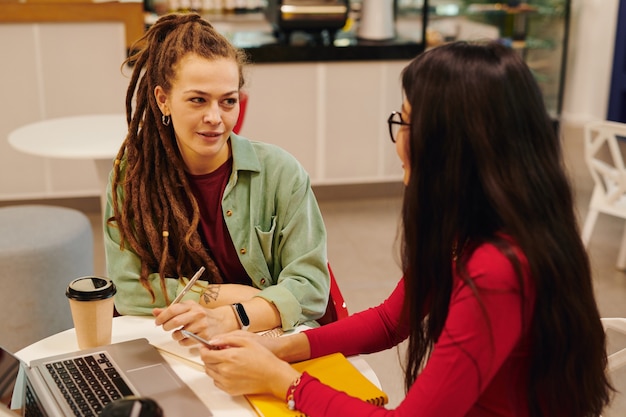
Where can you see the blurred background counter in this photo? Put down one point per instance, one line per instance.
(264, 44)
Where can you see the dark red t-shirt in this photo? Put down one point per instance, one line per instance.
(208, 190)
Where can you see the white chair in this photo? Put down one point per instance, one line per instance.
(605, 162)
(617, 359)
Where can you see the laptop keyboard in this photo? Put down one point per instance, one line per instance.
(31, 405)
(88, 383)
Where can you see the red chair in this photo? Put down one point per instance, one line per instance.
(243, 104)
(336, 308)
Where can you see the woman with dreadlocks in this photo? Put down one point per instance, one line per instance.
(187, 192)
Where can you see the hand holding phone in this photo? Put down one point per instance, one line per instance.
(200, 339)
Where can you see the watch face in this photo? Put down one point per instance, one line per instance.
(243, 316)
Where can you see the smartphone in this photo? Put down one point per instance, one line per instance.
(199, 339)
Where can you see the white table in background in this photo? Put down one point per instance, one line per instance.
(133, 327)
(97, 137)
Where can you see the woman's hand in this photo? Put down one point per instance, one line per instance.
(191, 316)
(240, 364)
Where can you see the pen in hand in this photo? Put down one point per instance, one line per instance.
(188, 286)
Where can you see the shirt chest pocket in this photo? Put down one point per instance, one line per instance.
(266, 241)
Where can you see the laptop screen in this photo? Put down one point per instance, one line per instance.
(9, 369)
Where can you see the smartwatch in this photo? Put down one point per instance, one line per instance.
(242, 316)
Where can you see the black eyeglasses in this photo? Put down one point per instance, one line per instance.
(395, 122)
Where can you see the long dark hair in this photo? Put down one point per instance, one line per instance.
(485, 161)
(158, 206)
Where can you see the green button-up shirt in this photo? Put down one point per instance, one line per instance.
(276, 226)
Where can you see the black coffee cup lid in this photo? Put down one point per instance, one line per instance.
(90, 288)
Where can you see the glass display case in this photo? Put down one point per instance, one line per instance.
(536, 28)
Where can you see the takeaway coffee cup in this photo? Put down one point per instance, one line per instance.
(91, 302)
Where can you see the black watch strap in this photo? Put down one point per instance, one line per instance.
(242, 316)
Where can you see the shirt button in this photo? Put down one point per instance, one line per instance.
(243, 251)
(229, 213)
(263, 281)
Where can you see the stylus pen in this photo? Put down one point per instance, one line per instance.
(188, 286)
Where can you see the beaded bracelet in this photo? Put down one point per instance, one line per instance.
(291, 402)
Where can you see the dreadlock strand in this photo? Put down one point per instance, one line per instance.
(142, 202)
(114, 180)
(143, 280)
(164, 257)
(191, 243)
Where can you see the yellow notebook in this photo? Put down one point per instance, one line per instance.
(333, 370)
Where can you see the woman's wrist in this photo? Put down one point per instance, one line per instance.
(291, 394)
(293, 348)
(229, 319)
(282, 384)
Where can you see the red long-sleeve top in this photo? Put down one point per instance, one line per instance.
(478, 367)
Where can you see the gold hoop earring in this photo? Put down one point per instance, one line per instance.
(166, 119)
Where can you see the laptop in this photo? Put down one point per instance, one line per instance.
(81, 383)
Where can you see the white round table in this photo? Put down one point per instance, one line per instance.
(183, 360)
(95, 136)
